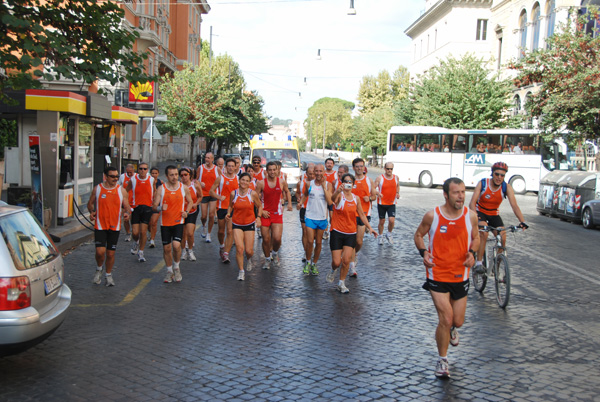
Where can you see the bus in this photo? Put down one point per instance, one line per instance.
(272, 148)
(429, 155)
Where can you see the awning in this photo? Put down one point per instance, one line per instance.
(125, 115)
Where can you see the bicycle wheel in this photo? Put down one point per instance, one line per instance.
(480, 279)
(502, 280)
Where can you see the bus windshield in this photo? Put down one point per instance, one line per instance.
(288, 157)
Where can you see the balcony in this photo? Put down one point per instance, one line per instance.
(148, 35)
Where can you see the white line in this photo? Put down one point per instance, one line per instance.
(555, 263)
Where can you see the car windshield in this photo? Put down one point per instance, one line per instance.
(288, 157)
(26, 241)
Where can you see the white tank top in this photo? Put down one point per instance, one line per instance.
(316, 208)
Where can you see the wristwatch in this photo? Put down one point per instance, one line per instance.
(474, 253)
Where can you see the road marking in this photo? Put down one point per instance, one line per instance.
(563, 266)
(136, 291)
(158, 267)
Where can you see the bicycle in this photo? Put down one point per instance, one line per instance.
(499, 269)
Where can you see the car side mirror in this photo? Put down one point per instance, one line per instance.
(303, 166)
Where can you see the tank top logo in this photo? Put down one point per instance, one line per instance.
(103, 196)
(487, 196)
(443, 229)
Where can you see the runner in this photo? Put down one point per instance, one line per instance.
(331, 176)
(486, 199)
(244, 213)
(346, 208)
(141, 188)
(365, 191)
(309, 175)
(342, 170)
(106, 205)
(206, 175)
(221, 190)
(189, 225)
(155, 214)
(123, 180)
(318, 192)
(453, 237)
(238, 166)
(271, 228)
(388, 191)
(171, 199)
(220, 162)
(257, 171)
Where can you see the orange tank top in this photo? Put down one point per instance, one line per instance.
(331, 177)
(449, 242)
(208, 177)
(243, 209)
(142, 190)
(302, 187)
(260, 175)
(108, 207)
(194, 194)
(172, 204)
(387, 189)
(361, 189)
(123, 180)
(343, 219)
(226, 186)
(489, 200)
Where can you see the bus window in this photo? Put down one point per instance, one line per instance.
(459, 143)
(428, 142)
(400, 142)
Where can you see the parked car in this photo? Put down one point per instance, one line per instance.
(33, 296)
(334, 156)
(590, 214)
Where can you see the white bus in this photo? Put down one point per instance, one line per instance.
(429, 155)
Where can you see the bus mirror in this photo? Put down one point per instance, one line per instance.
(303, 165)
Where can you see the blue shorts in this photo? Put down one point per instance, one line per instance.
(316, 225)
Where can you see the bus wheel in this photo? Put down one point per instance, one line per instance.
(518, 184)
(425, 179)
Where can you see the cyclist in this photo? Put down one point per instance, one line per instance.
(487, 197)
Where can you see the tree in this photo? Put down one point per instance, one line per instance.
(337, 122)
(75, 40)
(383, 90)
(569, 72)
(371, 129)
(459, 94)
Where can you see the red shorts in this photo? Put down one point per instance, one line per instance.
(273, 218)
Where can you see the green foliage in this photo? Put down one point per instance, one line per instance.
(301, 144)
(371, 130)
(458, 94)
(569, 72)
(8, 135)
(281, 122)
(75, 40)
(384, 90)
(338, 120)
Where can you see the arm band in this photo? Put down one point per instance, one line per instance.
(422, 252)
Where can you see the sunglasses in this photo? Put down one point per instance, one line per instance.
(389, 168)
(112, 176)
(142, 168)
(499, 174)
(346, 181)
(184, 174)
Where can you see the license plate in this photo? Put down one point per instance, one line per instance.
(52, 283)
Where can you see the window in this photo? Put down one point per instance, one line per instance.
(522, 34)
(535, 23)
(550, 18)
(416, 142)
(481, 30)
(499, 50)
(517, 105)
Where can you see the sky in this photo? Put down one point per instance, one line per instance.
(275, 42)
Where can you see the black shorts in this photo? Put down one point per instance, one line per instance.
(141, 214)
(170, 234)
(221, 212)
(457, 290)
(330, 207)
(302, 214)
(191, 218)
(207, 199)
(106, 238)
(246, 228)
(389, 209)
(359, 222)
(491, 220)
(337, 240)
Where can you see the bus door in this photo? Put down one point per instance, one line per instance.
(457, 164)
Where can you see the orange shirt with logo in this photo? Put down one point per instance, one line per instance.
(108, 207)
(226, 186)
(172, 205)
(243, 209)
(344, 215)
(489, 200)
(387, 189)
(194, 194)
(361, 189)
(142, 191)
(208, 177)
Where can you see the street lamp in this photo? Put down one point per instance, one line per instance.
(352, 10)
(319, 54)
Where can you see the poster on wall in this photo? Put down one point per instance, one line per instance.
(35, 162)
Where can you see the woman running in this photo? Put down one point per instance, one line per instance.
(189, 225)
(343, 229)
(244, 212)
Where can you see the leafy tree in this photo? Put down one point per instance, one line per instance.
(372, 130)
(8, 135)
(383, 90)
(569, 72)
(74, 40)
(281, 122)
(459, 94)
(338, 120)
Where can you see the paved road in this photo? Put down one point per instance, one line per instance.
(282, 336)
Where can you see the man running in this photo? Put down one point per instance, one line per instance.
(308, 176)
(257, 171)
(123, 180)
(331, 176)
(487, 197)
(271, 228)
(221, 190)
(453, 237)
(365, 191)
(141, 187)
(388, 191)
(172, 198)
(155, 214)
(107, 203)
(342, 170)
(206, 174)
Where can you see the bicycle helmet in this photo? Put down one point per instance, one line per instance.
(500, 165)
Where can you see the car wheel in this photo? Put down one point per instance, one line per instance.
(518, 184)
(425, 179)
(586, 218)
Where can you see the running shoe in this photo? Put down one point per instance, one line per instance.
(275, 259)
(226, 257)
(453, 336)
(442, 369)
(326, 235)
(330, 276)
(98, 277)
(191, 255)
(479, 268)
(134, 247)
(141, 257)
(389, 238)
(208, 237)
(313, 269)
(110, 281)
(303, 259)
(128, 237)
(306, 270)
(352, 270)
(241, 276)
(168, 277)
(380, 240)
(267, 264)
(152, 244)
(204, 231)
(342, 287)
(221, 251)
(177, 275)
(249, 265)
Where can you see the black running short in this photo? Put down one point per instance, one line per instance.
(491, 220)
(359, 222)
(141, 214)
(246, 228)
(302, 214)
(207, 199)
(457, 290)
(337, 240)
(191, 218)
(221, 212)
(106, 238)
(170, 234)
(389, 209)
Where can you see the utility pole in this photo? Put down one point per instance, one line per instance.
(324, 129)
(210, 53)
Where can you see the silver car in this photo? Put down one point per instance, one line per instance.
(590, 214)
(33, 297)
